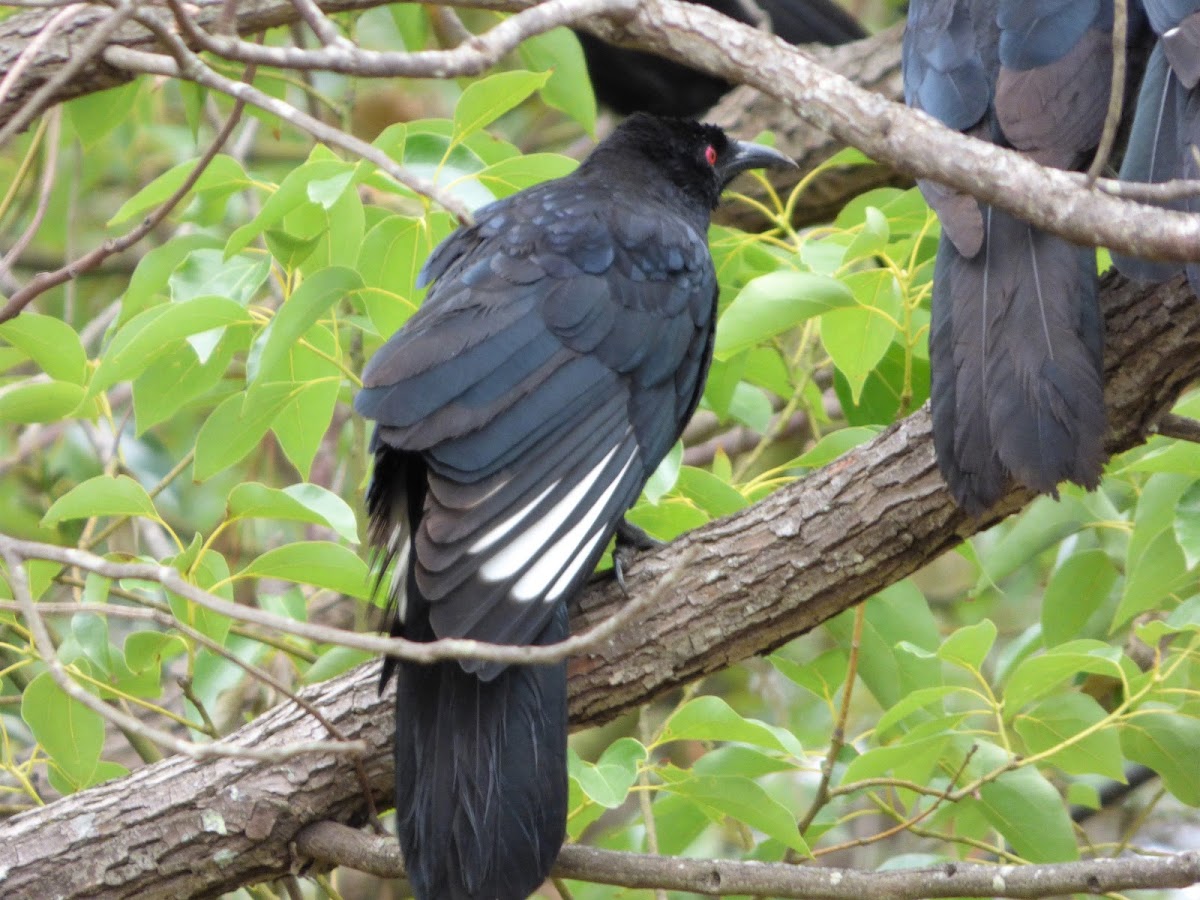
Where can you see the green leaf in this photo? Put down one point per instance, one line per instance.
(1167, 743)
(519, 172)
(665, 475)
(607, 782)
(309, 503)
(301, 310)
(927, 699)
(486, 100)
(150, 649)
(223, 173)
(152, 275)
(392, 255)
(569, 88)
(324, 175)
(71, 734)
(1154, 562)
(93, 116)
(156, 332)
(301, 424)
(40, 401)
(774, 303)
(709, 492)
(49, 342)
(1076, 590)
(924, 751)
(206, 272)
(1056, 719)
(103, 495)
(872, 238)
(1037, 676)
(968, 646)
(1024, 807)
(712, 719)
(176, 379)
(743, 800)
(898, 614)
(1186, 524)
(237, 426)
(857, 337)
(209, 571)
(823, 676)
(317, 563)
(334, 662)
(836, 444)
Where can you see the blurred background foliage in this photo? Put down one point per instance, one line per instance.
(187, 402)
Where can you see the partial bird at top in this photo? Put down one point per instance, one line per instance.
(630, 81)
(1016, 334)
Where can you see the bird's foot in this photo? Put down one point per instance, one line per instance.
(629, 540)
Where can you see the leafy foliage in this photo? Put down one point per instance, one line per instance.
(194, 413)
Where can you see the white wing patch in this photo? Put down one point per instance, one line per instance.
(572, 548)
(531, 542)
(511, 522)
(399, 548)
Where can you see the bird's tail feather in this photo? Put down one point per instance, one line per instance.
(481, 781)
(1016, 346)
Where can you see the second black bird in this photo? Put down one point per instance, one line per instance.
(559, 353)
(1016, 336)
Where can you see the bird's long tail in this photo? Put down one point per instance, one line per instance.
(1016, 346)
(481, 777)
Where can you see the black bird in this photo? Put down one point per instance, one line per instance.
(1016, 336)
(557, 357)
(629, 81)
(1166, 125)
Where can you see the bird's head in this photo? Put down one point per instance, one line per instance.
(698, 159)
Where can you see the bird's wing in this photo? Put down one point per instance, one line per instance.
(948, 63)
(1055, 74)
(553, 364)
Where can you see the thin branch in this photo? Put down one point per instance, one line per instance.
(1179, 427)
(336, 844)
(45, 647)
(411, 651)
(1116, 93)
(321, 25)
(49, 171)
(188, 65)
(44, 281)
(472, 57)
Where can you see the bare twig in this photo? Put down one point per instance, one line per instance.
(475, 55)
(1179, 427)
(45, 647)
(337, 844)
(49, 170)
(188, 65)
(1116, 95)
(412, 651)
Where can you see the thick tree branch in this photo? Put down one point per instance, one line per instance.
(757, 579)
(912, 142)
(335, 844)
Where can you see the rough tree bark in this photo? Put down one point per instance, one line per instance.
(751, 582)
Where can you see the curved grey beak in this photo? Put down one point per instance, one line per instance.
(743, 155)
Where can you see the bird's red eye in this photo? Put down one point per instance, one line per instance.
(710, 155)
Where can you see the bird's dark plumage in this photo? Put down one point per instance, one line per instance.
(1015, 337)
(632, 80)
(1166, 124)
(558, 355)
